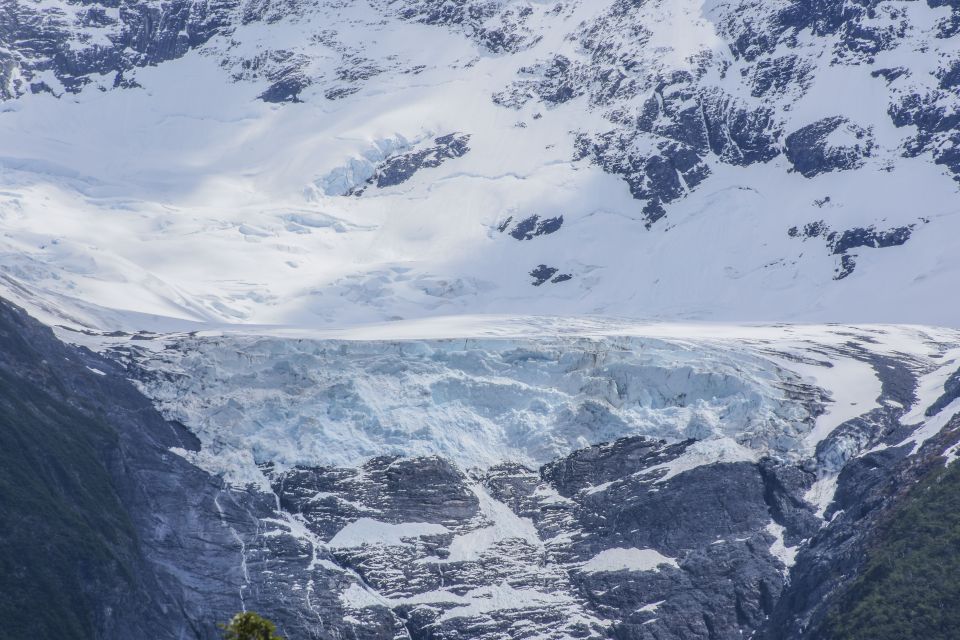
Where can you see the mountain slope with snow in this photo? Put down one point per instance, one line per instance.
(477, 319)
(323, 163)
(534, 478)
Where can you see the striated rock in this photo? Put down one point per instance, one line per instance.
(831, 144)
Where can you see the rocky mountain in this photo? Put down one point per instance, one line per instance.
(648, 486)
(479, 319)
(641, 481)
(107, 534)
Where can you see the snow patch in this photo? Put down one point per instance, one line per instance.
(932, 426)
(853, 386)
(821, 494)
(504, 597)
(930, 388)
(367, 531)
(357, 597)
(951, 454)
(627, 560)
(702, 453)
(779, 549)
(505, 525)
(653, 606)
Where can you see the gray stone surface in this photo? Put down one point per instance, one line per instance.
(193, 553)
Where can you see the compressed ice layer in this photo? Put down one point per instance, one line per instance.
(477, 403)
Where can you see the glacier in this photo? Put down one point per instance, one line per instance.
(530, 390)
(436, 319)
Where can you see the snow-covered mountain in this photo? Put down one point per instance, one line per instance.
(328, 162)
(517, 478)
(470, 319)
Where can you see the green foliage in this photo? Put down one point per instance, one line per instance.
(64, 535)
(249, 626)
(910, 587)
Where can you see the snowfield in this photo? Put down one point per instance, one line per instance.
(188, 197)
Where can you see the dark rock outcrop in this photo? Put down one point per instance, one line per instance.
(842, 243)
(531, 227)
(399, 168)
(811, 152)
(542, 273)
(106, 533)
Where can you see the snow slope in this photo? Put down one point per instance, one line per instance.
(668, 161)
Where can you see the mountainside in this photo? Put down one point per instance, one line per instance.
(106, 534)
(331, 162)
(479, 319)
(526, 479)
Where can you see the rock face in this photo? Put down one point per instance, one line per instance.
(870, 489)
(64, 48)
(530, 228)
(704, 537)
(591, 546)
(832, 144)
(542, 273)
(136, 541)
